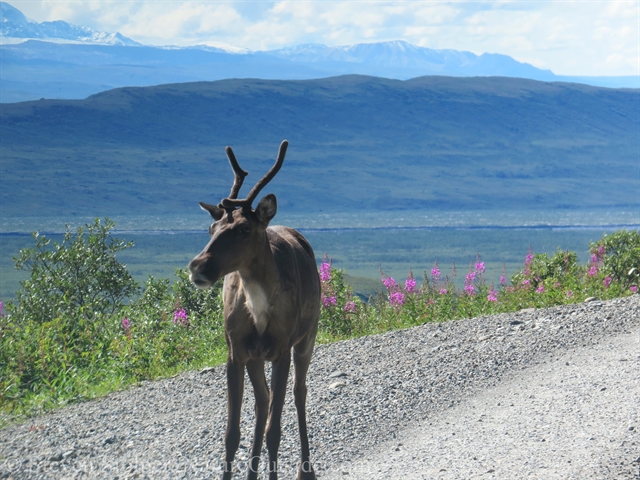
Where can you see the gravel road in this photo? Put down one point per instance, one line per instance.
(549, 393)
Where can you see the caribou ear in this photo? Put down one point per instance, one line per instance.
(267, 208)
(215, 212)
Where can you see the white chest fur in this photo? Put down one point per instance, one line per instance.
(257, 304)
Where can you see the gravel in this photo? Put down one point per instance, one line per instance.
(548, 393)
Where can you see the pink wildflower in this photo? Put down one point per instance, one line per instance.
(435, 272)
(526, 282)
(540, 289)
(479, 265)
(443, 291)
(350, 307)
(396, 299)
(325, 272)
(633, 288)
(607, 282)
(180, 316)
(327, 301)
(529, 258)
(569, 294)
(503, 275)
(410, 283)
(493, 295)
(389, 282)
(126, 324)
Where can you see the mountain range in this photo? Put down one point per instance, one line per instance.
(17, 27)
(357, 144)
(60, 60)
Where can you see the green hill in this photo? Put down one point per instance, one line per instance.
(356, 143)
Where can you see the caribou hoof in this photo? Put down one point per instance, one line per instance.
(305, 472)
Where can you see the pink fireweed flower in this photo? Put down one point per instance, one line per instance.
(592, 271)
(493, 295)
(633, 288)
(569, 294)
(396, 299)
(526, 282)
(529, 258)
(601, 252)
(540, 289)
(435, 273)
(325, 272)
(330, 300)
(503, 275)
(126, 324)
(350, 307)
(180, 316)
(410, 283)
(443, 291)
(607, 282)
(1, 308)
(389, 282)
(431, 301)
(479, 265)
(468, 281)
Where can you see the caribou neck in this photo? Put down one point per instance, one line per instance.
(260, 282)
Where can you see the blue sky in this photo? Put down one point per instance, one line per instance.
(568, 37)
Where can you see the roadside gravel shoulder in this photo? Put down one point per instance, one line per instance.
(365, 394)
(575, 417)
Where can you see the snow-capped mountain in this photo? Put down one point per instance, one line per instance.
(51, 59)
(399, 54)
(15, 27)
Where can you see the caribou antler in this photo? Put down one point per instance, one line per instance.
(231, 201)
(239, 174)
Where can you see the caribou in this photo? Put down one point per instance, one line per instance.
(271, 297)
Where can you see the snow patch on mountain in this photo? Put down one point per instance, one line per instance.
(16, 28)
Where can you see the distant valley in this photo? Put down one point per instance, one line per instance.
(358, 144)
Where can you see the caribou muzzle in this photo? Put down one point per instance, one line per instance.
(201, 274)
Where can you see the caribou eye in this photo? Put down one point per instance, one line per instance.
(244, 231)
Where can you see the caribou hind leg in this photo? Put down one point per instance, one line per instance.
(301, 363)
(279, 378)
(235, 389)
(255, 368)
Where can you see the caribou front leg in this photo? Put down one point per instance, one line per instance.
(279, 378)
(235, 388)
(255, 368)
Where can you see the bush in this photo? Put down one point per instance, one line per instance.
(82, 326)
(618, 255)
(80, 277)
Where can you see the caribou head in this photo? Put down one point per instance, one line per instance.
(271, 306)
(238, 231)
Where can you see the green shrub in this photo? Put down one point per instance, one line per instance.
(80, 276)
(619, 257)
(82, 326)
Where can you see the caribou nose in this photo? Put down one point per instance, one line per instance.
(197, 274)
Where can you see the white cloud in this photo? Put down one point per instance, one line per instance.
(585, 37)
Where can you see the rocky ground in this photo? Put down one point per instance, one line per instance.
(549, 393)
